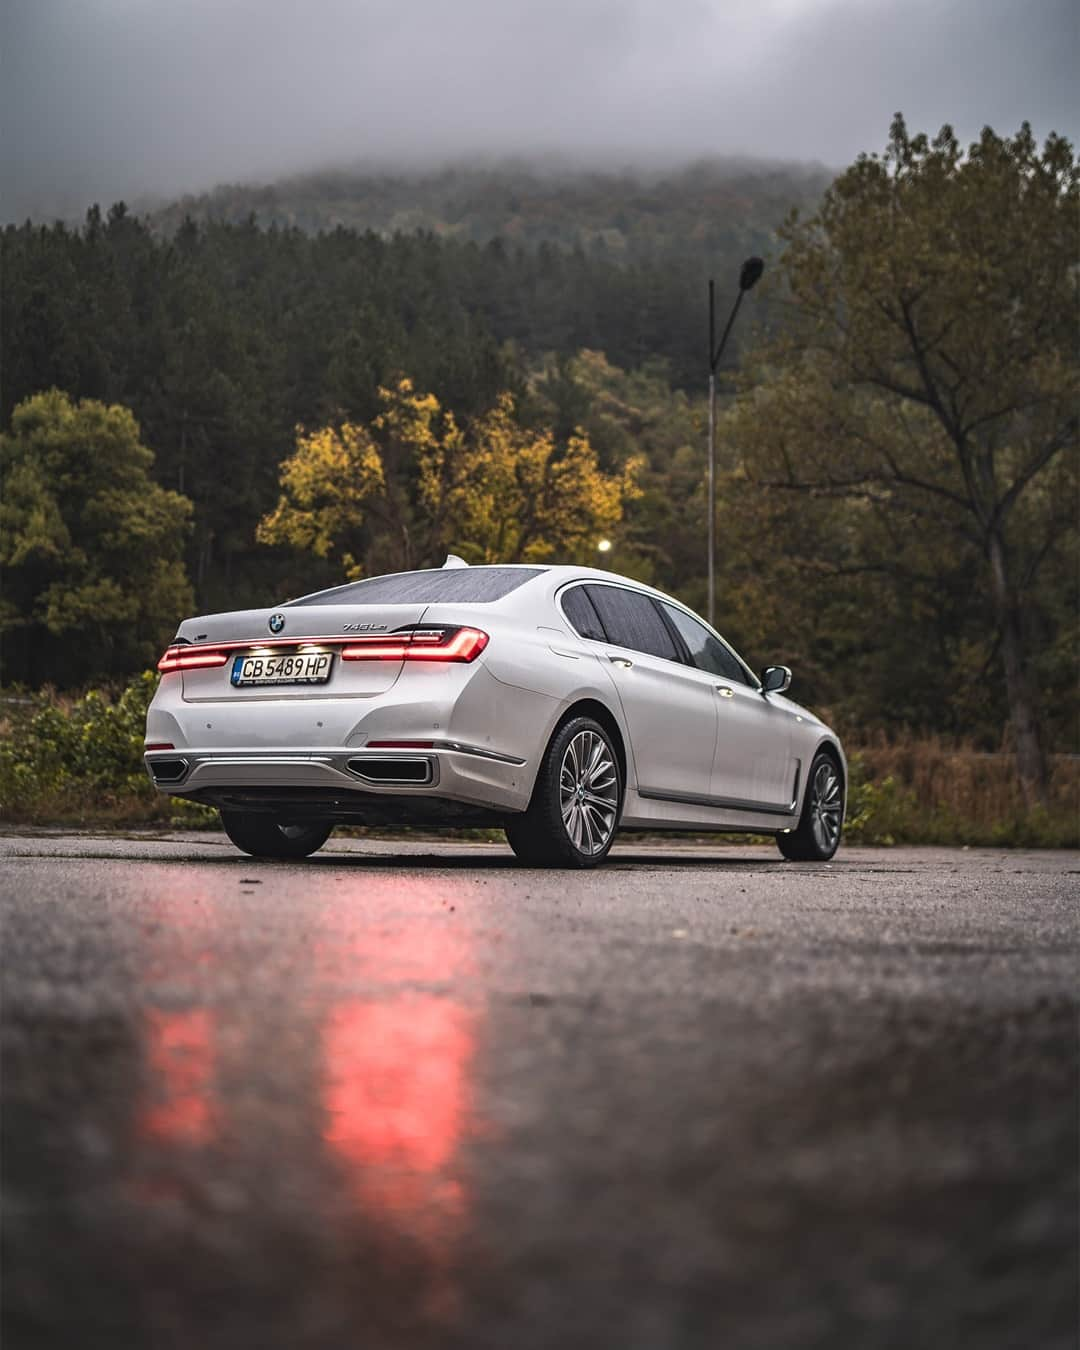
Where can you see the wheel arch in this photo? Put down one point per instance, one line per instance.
(830, 746)
(599, 712)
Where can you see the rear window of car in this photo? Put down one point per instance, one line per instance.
(631, 620)
(584, 619)
(467, 585)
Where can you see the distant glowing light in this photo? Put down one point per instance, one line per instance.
(604, 546)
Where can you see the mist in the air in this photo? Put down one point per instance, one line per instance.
(103, 99)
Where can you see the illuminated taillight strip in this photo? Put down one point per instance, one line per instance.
(379, 650)
(453, 644)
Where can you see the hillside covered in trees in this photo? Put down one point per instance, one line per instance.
(697, 215)
(223, 330)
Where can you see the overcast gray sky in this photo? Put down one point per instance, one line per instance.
(107, 98)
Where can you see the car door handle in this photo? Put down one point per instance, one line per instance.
(725, 691)
(620, 660)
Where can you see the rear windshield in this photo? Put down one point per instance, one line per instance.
(471, 585)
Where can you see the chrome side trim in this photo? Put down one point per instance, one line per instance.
(478, 751)
(232, 761)
(720, 803)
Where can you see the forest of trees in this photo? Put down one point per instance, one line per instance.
(898, 485)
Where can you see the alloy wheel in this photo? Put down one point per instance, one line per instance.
(826, 807)
(588, 792)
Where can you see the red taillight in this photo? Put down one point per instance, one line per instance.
(191, 658)
(464, 645)
(455, 644)
(378, 649)
(159, 745)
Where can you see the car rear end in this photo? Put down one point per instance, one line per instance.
(355, 704)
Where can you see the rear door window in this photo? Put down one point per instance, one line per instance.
(632, 620)
(584, 620)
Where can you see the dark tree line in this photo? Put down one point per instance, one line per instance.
(225, 337)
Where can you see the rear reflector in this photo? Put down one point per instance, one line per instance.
(433, 644)
(159, 745)
(400, 745)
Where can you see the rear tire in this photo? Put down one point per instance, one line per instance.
(265, 836)
(817, 836)
(575, 803)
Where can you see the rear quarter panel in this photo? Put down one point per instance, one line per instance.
(538, 670)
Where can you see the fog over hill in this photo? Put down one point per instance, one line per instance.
(632, 215)
(103, 99)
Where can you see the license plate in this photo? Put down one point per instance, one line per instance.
(295, 668)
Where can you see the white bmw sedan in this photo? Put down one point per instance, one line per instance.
(560, 703)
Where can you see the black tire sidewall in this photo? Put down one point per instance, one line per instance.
(800, 845)
(260, 835)
(540, 835)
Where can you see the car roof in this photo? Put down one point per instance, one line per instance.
(560, 573)
(569, 572)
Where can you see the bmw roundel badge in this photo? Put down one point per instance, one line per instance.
(277, 623)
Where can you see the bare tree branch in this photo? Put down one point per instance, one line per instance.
(1035, 465)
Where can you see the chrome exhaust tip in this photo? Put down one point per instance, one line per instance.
(167, 771)
(403, 770)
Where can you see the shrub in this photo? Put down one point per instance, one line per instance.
(79, 760)
(925, 791)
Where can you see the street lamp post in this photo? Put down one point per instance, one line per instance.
(749, 275)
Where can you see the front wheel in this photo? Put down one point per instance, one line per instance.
(818, 834)
(264, 836)
(575, 804)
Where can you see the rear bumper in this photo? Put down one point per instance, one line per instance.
(451, 771)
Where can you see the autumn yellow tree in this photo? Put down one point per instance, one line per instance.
(413, 485)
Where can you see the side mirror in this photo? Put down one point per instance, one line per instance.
(775, 679)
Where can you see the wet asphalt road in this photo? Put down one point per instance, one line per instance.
(413, 1095)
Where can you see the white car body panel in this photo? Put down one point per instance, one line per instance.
(700, 751)
(670, 713)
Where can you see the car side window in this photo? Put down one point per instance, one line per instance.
(631, 620)
(583, 617)
(705, 651)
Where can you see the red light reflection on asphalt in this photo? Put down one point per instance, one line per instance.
(395, 1081)
(177, 1104)
(395, 1102)
(395, 1099)
(179, 1052)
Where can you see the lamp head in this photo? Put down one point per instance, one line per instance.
(750, 273)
